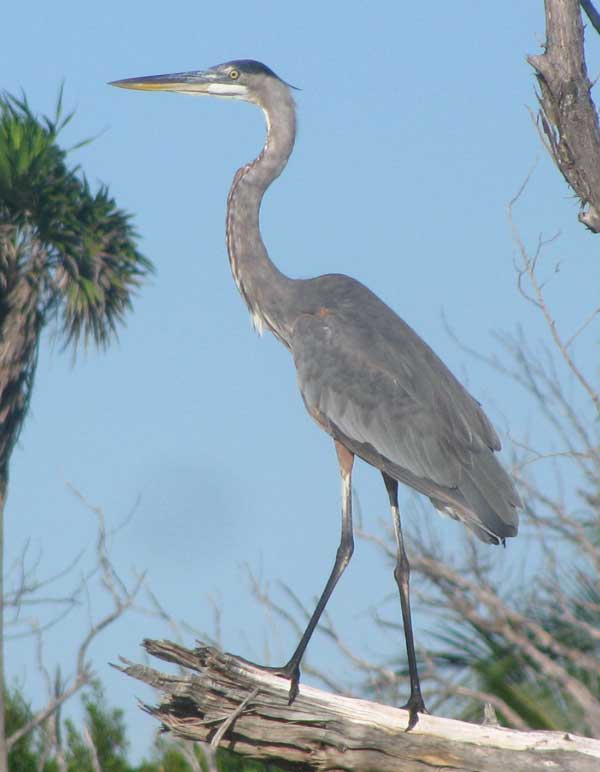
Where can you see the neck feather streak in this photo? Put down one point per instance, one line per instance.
(259, 281)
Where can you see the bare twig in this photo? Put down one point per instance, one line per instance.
(220, 733)
(80, 680)
(529, 268)
(122, 598)
(92, 749)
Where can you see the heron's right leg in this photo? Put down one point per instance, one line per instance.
(344, 552)
(415, 704)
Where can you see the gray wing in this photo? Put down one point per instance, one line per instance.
(393, 402)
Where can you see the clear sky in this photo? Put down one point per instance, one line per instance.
(414, 133)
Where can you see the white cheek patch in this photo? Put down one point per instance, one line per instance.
(225, 89)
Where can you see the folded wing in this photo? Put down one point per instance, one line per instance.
(393, 402)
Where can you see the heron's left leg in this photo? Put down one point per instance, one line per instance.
(415, 704)
(291, 670)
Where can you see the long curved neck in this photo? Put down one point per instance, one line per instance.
(261, 284)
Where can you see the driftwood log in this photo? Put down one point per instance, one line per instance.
(222, 699)
(567, 113)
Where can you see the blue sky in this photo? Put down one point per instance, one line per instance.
(414, 133)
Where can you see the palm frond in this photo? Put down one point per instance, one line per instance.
(93, 265)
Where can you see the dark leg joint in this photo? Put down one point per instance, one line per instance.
(402, 572)
(345, 551)
(415, 705)
(291, 671)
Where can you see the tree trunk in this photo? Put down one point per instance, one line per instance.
(20, 328)
(3, 750)
(567, 113)
(229, 702)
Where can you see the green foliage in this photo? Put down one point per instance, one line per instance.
(496, 666)
(80, 259)
(168, 759)
(22, 757)
(105, 727)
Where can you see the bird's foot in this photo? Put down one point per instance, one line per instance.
(415, 705)
(291, 671)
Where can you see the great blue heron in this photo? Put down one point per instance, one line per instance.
(365, 376)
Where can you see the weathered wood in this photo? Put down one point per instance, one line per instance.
(323, 731)
(567, 113)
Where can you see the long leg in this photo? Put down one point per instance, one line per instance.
(415, 704)
(344, 552)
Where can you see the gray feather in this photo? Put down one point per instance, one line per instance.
(386, 395)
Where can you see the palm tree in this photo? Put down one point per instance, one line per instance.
(67, 257)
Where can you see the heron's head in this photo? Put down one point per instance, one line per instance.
(241, 79)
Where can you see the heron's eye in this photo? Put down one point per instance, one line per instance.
(234, 74)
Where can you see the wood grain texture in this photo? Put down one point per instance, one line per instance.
(567, 114)
(324, 731)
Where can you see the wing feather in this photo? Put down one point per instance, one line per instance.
(393, 401)
(372, 404)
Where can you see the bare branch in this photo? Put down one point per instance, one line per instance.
(583, 326)
(80, 680)
(529, 268)
(92, 749)
(567, 113)
(220, 733)
(122, 598)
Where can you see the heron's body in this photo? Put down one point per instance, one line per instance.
(373, 384)
(365, 376)
(390, 400)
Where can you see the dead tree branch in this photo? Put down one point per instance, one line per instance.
(122, 598)
(567, 113)
(528, 268)
(323, 731)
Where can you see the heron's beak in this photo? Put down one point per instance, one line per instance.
(200, 83)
